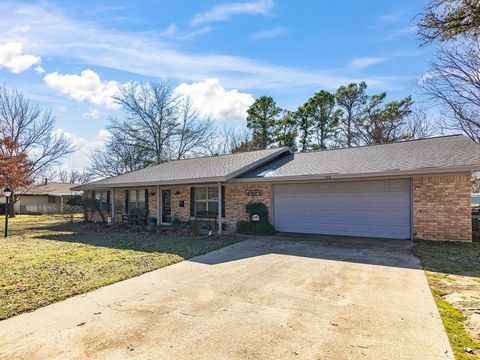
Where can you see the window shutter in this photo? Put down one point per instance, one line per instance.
(192, 201)
(146, 200)
(108, 201)
(126, 202)
(223, 201)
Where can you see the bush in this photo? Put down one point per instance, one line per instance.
(75, 200)
(257, 208)
(262, 227)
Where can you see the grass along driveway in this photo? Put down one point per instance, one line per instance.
(48, 258)
(453, 273)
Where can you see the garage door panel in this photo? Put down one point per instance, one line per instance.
(378, 208)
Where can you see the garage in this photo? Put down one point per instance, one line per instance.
(377, 208)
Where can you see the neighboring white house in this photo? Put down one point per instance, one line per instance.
(475, 199)
(46, 198)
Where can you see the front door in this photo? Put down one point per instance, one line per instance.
(166, 206)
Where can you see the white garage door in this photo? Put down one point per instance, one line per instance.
(379, 208)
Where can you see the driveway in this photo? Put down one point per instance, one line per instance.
(266, 298)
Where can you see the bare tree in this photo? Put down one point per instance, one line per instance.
(476, 182)
(418, 125)
(193, 133)
(159, 126)
(118, 156)
(454, 83)
(73, 176)
(152, 111)
(227, 141)
(32, 129)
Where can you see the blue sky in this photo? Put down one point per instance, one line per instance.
(71, 56)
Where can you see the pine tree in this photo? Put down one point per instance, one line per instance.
(262, 120)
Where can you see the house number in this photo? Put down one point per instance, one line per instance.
(254, 192)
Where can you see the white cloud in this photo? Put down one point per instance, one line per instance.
(212, 99)
(12, 58)
(54, 34)
(39, 69)
(408, 30)
(392, 17)
(426, 77)
(269, 34)
(364, 62)
(93, 113)
(172, 31)
(225, 11)
(84, 87)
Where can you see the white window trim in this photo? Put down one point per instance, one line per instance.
(137, 192)
(206, 199)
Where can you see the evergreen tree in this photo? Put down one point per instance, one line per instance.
(305, 127)
(351, 99)
(287, 130)
(385, 122)
(262, 120)
(325, 118)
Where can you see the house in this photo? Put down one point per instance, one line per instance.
(475, 199)
(45, 198)
(404, 190)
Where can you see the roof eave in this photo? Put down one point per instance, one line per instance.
(334, 176)
(95, 186)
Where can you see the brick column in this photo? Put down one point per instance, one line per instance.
(442, 207)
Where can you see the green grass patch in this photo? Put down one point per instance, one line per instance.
(442, 262)
(448, 256)
(453, 321)
(48, 258)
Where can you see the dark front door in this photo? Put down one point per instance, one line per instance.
(166, 206)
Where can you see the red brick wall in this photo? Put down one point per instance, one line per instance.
(441, 207)
(237, 196)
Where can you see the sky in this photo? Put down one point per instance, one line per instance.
(71, 56)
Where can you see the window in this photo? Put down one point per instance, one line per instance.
(206, 201)
(103, 198)
(136, 199)
(51, 199)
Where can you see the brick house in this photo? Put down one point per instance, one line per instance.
(404, 190)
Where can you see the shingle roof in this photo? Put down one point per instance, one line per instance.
(433, 155)
(195, 170)
(51, 188)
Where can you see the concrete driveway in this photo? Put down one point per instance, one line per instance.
(271, 298)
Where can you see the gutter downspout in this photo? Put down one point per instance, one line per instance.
(219, 208)
(112, 205)
(158, 206)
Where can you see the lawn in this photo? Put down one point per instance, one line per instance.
(49, 258)
(453, 273)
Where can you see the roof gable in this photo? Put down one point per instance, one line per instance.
(194, 170)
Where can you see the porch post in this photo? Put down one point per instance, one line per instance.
(219, 208)
(112, 204)
(61, 204)
(158, 206)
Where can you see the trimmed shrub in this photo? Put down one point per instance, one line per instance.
(257, 208)
(255, 228)
(262, 227)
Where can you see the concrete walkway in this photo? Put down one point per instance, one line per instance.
(273, 298)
